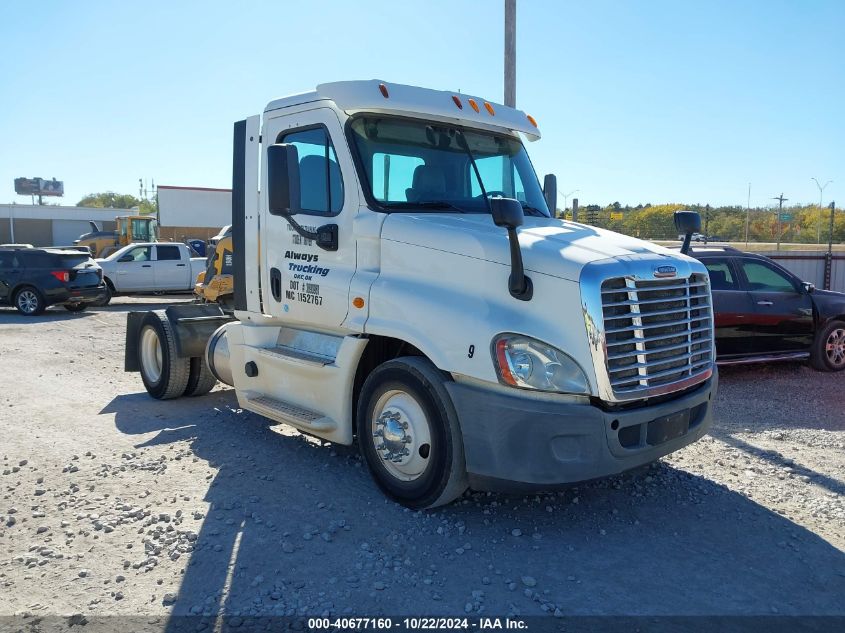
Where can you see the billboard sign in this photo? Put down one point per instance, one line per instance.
(39, 187)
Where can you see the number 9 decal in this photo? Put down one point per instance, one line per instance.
(471, 351)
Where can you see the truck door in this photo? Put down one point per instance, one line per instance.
(172, 271)
(135, 270)
(305, 283)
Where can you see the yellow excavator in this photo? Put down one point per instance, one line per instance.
(130, 228)
(216, 284)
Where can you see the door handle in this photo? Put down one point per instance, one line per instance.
(276, 283)
(182, 265)
(145, 265)
(765, 303)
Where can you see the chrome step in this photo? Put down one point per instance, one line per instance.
(297, 355)
(291, 413)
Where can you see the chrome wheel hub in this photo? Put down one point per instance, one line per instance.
(27, 301)
(835, 347)
(401, 435)
(151, 360)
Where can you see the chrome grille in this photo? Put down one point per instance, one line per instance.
(657, 333)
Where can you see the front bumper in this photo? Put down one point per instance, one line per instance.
(514, 442)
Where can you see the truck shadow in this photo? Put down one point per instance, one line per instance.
(297, 528)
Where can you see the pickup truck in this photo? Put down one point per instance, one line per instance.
(150, 267)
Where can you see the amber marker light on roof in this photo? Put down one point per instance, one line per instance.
(473, 104)
(458, 102)
(489, 109)
(531, 120)
(383, 89)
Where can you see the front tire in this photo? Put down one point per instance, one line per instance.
(408, 434)
(29, 301)
(105, 299)
(829, 348)
(165, 375)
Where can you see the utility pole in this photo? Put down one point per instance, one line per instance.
(819, 223)
(747, 215)
(828, 264)
(830, 232)
(780, 200)
(510, 53)
(706, 223)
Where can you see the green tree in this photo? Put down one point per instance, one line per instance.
(109, 200)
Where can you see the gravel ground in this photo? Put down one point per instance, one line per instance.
(117, 504)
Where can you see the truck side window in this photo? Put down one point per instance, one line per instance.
(320, 183)
(168, 253)
(140, 254)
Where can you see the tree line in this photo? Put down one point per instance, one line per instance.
(112, 200)
(806, 224)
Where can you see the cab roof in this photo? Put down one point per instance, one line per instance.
(375, 95)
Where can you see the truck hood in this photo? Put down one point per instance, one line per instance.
(549, 246)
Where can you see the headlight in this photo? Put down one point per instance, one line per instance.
(528, 363)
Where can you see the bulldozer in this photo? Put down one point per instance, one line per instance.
(130, 228)
(216, 284)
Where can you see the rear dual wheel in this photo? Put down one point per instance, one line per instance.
(408, 434)
(164, 373)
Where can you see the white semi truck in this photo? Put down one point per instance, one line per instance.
(400, 278)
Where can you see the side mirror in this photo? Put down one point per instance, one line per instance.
(687, 223)
(507, 212)
(283, 193)
(126, 258)
(550, 193)
(808, 286)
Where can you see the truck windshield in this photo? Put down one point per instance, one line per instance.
(413, 165)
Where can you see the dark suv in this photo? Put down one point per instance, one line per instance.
(764, 312)
(31, 279)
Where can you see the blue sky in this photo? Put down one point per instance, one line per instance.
(648, 101)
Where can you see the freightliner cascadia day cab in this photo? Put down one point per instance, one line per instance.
(400, 278)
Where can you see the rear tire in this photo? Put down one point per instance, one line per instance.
(829, 348)
(408, 434)
(29, 301)
(165, 375)
(75, 307)
(200, 380)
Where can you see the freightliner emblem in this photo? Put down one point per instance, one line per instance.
(665, 271)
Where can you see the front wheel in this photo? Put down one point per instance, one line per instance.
(409, 435)
(829, 348)
(104, 298)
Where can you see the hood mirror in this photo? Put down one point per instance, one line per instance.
(508, 213)
(687, 223)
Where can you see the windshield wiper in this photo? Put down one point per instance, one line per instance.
(532, 210)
